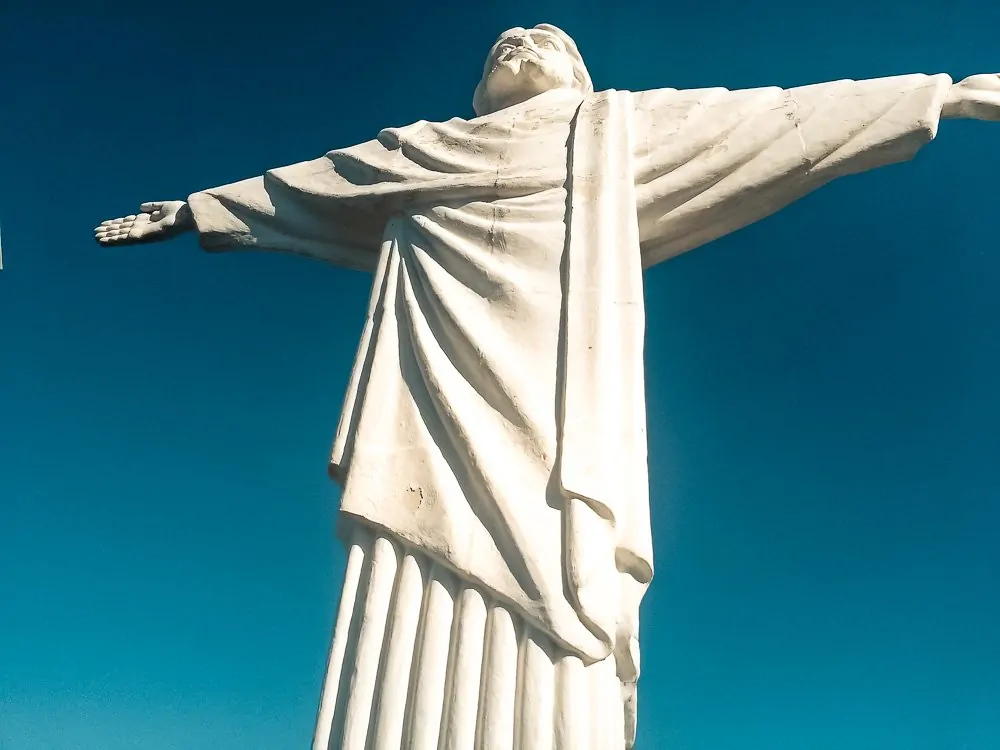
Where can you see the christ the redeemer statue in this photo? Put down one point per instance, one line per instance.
(492, 446)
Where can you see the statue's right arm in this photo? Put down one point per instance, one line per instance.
(158, 220)
(311, 208)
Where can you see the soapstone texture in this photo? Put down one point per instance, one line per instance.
(492, 445)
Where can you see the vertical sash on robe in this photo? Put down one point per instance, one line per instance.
(602, 461)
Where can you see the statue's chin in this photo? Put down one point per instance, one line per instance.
(520, 80)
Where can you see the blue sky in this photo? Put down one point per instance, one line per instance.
(822, 387)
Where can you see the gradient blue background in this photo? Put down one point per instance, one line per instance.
(822, 387)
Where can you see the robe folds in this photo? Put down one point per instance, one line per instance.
(495, 417)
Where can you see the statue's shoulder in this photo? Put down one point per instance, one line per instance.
(671, 99)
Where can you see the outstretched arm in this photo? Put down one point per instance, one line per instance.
(711, 161)
(333, 208)
(304, 209)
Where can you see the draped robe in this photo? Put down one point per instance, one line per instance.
(495, 416)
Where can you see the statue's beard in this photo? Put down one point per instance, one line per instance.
(520, 78)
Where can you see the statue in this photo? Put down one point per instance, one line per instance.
(492, 447)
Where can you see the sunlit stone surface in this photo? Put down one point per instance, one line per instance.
(492, 446)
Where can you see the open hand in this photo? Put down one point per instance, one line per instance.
(976, 98)
(158, 220)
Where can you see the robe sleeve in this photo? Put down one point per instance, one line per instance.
(333, 208)
(711, 161)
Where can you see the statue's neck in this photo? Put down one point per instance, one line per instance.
(543, 99)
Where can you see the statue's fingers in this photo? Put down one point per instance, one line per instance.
(148, 208)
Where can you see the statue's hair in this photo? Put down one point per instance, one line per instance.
(480, 102)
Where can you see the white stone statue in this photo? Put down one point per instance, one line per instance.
(492, 447)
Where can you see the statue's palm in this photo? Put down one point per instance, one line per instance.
(157, 220)
(977, 97)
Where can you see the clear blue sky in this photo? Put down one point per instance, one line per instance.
(822, 387)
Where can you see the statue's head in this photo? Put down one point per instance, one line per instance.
(526, 62)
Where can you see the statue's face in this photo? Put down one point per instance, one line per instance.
(524, 63)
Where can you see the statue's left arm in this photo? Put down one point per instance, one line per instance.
(711, 161)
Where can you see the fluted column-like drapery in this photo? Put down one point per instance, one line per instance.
(421, 660)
